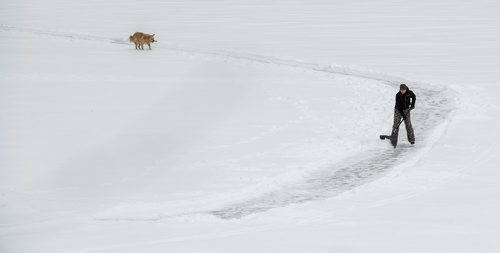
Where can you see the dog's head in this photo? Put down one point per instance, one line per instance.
(153, 38)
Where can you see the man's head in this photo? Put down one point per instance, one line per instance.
(403, 88)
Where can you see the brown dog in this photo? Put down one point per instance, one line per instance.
(139, 39)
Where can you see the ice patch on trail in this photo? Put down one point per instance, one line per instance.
(433, 117)
(345, 176)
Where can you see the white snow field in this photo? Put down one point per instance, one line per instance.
(252, 126)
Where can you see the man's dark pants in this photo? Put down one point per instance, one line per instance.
(409, 128)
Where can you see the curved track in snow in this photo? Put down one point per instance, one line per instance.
(433, 107)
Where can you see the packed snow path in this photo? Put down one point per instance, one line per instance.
(433, 107)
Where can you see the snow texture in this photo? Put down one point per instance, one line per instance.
(251, 126)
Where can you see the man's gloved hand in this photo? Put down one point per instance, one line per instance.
(413, 107)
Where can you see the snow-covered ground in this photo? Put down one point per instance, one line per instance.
(252, 126)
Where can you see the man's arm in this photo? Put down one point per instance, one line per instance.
(413, 99)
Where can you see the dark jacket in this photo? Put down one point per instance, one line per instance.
(405, 101)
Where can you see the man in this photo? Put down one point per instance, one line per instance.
(405, 102)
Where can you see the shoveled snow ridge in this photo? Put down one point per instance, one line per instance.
(434, 107)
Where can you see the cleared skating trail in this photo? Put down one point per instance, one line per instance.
(433, 108)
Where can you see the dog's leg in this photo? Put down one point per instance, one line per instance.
(149, 45)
